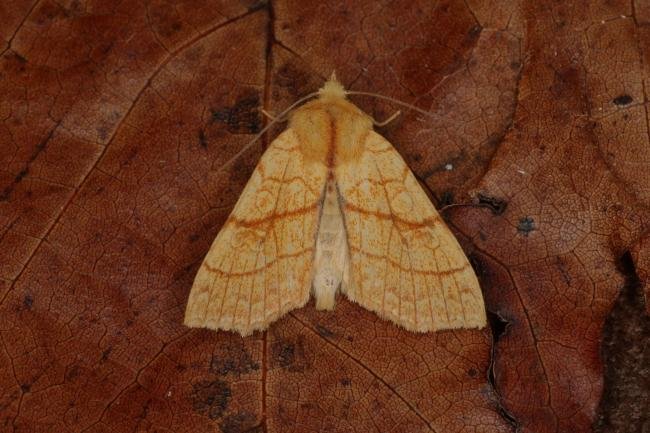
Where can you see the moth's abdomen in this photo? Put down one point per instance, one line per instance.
(331, 258)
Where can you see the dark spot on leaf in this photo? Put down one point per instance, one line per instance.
(202, 140)
(106, 48)
(240, 172)
(243, 422)
(477, 264)
(106, 353)
(497, 324)
(376, 405)
(496, 205)
(623, 100)
(284, 353)
(346, 381)
(564, 272)
(102, 133)
(194, 237)
(210, 397)
(255, 5)
(526, 225)
(73, 10)
(130, 157)
(472, 372)
(14, 63)
(72, 373)
(166, 21)
(324, 332)
(145, 410)
(25, 387)
(28, 301)
(446, 198)
(21, 175)
(567, 83)
(232, 358)
(40, 147)
(241, 118)
(48, 12)
(474, 32)
(290, 354)
(294, 80)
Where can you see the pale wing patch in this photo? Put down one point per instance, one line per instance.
(259, 266)
(405, 264)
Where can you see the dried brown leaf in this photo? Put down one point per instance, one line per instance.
(116, 120)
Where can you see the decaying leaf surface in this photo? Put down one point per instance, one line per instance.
(116, 119)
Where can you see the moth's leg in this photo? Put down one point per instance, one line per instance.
(387, 121)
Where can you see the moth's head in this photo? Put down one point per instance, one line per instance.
(332, 88)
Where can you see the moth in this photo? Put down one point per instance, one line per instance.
(333, 208)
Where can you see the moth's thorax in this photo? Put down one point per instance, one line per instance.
(330, 129)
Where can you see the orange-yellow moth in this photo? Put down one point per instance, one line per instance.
(330, 207)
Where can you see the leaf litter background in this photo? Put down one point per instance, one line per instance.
(116, 118)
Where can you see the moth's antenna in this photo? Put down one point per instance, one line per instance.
(266, 128)
(388, 98)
